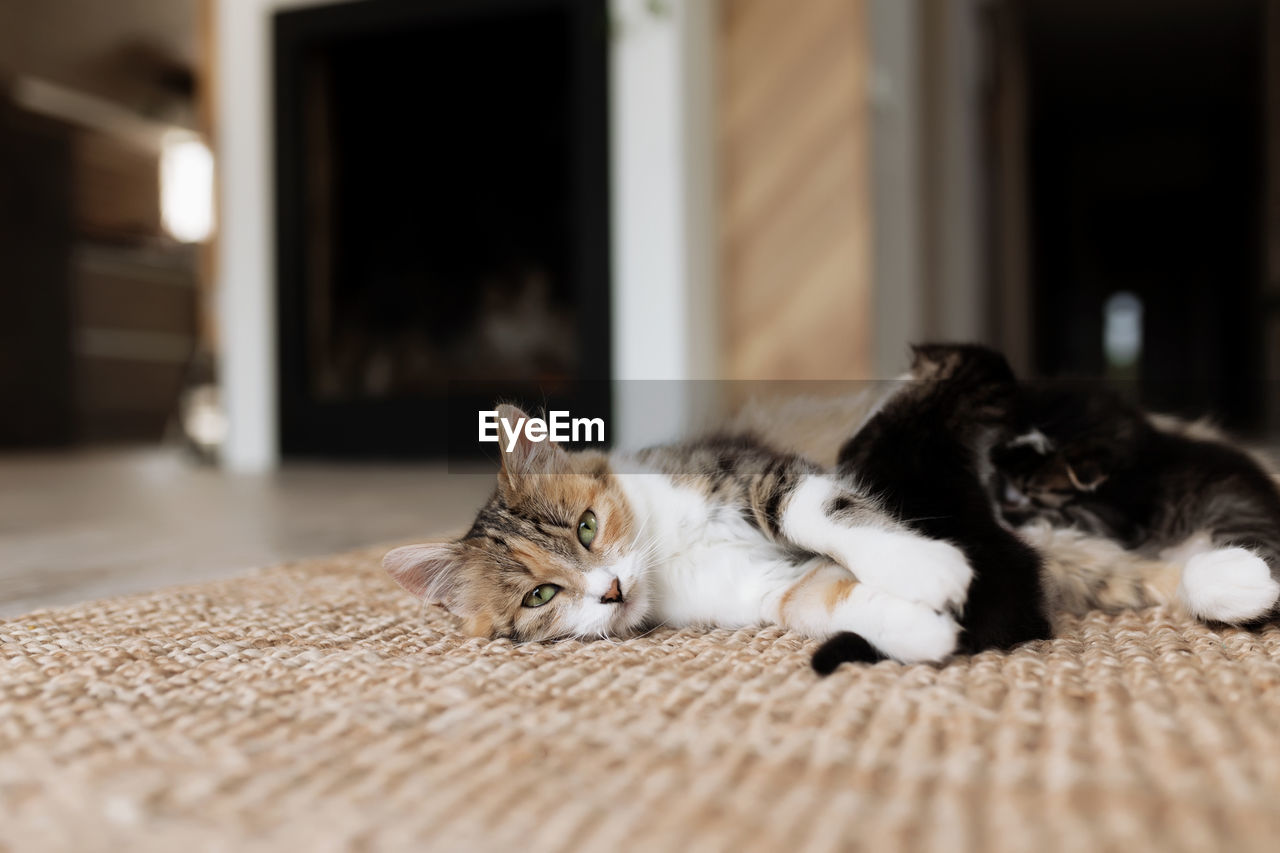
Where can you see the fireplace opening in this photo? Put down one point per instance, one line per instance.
(442, 206)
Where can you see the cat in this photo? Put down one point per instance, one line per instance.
(1117, 508)
(721, 531)
(1160, 488)
(1064, 499)
(925, 455)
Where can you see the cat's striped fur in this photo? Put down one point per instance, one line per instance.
(721, 531)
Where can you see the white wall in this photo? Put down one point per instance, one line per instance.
(663, 235)
(246, 242)
(664, 241)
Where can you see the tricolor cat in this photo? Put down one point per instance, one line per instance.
(722, 531)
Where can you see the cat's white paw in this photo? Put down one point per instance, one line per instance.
(909, 566)
(903, 630)
(895, 560)
(1228, 585)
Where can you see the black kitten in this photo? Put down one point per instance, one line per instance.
(925, 454)
(1096, 463)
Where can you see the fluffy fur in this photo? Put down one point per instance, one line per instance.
(721, 531)
(925, 454)
(1158, 487)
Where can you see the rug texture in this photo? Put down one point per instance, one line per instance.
(315, 706)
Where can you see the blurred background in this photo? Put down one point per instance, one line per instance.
(251, 250)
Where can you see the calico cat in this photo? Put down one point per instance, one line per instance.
(721, 531)
(924, 454)
(1160, 488)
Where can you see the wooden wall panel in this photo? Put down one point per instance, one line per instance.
(794, 189)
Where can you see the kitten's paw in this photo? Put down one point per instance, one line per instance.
(903, 630)
(1228, 585)
(912, 567)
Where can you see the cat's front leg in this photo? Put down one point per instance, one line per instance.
(829, 600)
(827, 517)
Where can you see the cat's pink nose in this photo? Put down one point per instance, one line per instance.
(613, 595)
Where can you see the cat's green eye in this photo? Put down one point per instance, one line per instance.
(541, 595)
(587, 528)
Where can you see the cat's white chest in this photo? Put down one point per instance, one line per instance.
(715, 567)
(732, 576)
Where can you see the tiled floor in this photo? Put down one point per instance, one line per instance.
(82, 525)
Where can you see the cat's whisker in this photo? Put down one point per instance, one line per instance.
(662, 624)
(604, 635)
(922, 518)
(647, 556)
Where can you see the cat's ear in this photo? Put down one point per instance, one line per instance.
(525, 455)
(971, 361)
(428, 571)
(931, 362)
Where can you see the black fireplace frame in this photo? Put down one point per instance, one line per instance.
(422, 427)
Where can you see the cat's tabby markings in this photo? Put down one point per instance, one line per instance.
(719, 532)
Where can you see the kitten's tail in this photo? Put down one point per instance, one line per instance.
(845, 647)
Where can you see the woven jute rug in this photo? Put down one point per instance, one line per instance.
(315, 706)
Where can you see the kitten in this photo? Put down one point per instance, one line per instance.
(925, 455)
(722, 531)
(1158, 487)
(1065, 500)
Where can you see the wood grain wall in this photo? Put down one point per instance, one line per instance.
(794, 189)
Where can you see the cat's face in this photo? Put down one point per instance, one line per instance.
(553, 553)
(1082, 438)
(1041, 477)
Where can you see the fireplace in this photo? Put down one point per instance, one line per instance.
(442, 218)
